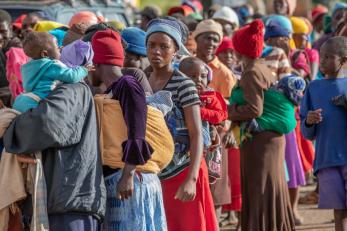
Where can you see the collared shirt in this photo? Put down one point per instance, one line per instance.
(223, 80)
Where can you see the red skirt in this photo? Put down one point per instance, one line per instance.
(306, 150)
(235, 180)
(198, 214)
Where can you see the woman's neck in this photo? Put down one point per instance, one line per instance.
(247, 61)
(111, 74)
(164, 72)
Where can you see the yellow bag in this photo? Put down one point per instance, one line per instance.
(113, 132)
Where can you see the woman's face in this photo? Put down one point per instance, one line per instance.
(161, 49)
(228, 29)
(207, 43)
(300, 40)
(281, 7)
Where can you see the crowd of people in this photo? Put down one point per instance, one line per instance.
(189, 121)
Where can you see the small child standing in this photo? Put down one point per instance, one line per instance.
(44, 71)
(326, 123)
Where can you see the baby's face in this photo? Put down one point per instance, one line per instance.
(53, 51)
(198, 73)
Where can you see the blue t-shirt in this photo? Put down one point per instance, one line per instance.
(331, 133)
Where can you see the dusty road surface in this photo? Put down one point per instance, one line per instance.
(314, 219)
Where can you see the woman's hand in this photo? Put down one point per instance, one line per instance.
(314, 117)
(125, 186)
(26, 159)
(186, 191)
(229, 140)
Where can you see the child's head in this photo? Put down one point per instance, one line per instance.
(38, 45)
(196, 70)
(333, 56)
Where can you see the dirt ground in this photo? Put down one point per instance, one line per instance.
(314, 219)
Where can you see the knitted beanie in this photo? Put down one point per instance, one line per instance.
(135, 39)
(208, 25)
(227, 44)
(227, 14)
(107, 47)
(249, 40)
(274, 29)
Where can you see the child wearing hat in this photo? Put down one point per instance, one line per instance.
(42, 73)
(324, 121)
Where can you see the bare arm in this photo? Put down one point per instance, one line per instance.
(187, 190)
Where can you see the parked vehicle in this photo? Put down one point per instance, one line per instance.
(62, 11)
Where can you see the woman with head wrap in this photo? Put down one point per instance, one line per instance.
(187, 198)
(301, 31)
(208, 35)
(265, 199)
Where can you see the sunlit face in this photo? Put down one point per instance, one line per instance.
(330, 63)
(198, 73)
(207, 43)
(53, 51)
(161, 49)
(300, 40)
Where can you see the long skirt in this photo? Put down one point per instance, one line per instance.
(306, 150)
(293, 160)
(235, 181)
(265, 197)
(198, 214)
(144, 211)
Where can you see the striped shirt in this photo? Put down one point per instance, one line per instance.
(278, 62)
(184, 94)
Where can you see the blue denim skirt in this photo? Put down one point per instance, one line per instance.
(144, 211)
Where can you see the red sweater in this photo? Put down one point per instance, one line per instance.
(213, 107)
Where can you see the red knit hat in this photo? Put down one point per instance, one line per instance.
(107, 47)
(249, 40)
(227, 44)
